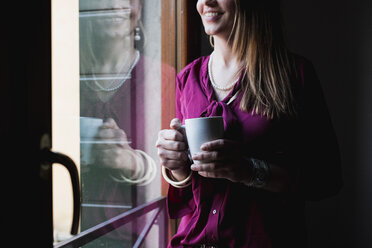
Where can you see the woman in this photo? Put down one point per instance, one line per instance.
(112, 88)
(248, 189)
(112, 84)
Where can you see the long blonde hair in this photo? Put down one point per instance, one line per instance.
(258, 43)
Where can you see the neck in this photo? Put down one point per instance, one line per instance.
(223, 52)
(113, 54)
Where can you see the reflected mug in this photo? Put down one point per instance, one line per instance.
(89, 128)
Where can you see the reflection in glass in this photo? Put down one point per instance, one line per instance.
(117, 165)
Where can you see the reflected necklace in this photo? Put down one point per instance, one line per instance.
(127, 76)
(216, 86)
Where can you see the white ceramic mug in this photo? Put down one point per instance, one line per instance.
(89, 128)
(202, 130)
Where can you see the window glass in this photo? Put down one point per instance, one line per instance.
(119, 114)
(120, 77)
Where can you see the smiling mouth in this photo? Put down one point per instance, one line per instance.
(117, 19)
(212, 14)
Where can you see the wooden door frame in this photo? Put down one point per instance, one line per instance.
(180, 44)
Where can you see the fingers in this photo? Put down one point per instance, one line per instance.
(110, 123)
(107, 157)
(220, 144)
(207, 167)
(162, 143)
(175, 124)
(211, 170)
(116, 158)
(209, 174)
(172, 155)
(210, 156)
(170, 134)
(173, 160)
(112, 137)
(108, 133)
(172, 147)
(215, 170)
(233, 171)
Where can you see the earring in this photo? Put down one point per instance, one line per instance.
(137, 36)
(211, 40)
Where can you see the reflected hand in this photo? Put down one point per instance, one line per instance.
(222, 159)
(114, 152)
(172, 150)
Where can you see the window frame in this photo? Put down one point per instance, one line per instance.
(180, 45)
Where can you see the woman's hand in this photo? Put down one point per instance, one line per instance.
(114, 152)
(222, 159)
(172, 150)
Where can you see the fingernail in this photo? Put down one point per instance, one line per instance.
(195, 156)
(194, 167)
(203, 147)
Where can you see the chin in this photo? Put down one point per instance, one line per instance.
(210, 31)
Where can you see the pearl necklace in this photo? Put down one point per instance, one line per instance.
(123, 80)
(216, 86)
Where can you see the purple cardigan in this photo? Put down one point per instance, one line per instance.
(217, 211)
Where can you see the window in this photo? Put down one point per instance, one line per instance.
(107, 110)
(115, 62)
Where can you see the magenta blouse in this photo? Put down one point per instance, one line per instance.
(220, 212)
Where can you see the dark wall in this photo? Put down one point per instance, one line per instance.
(337, 37)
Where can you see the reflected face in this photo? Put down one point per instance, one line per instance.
(217, 16)
(111, 18)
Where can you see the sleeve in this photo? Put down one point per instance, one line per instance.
(319, 174)
(179, 113)
(180, 202)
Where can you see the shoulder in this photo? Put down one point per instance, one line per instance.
(194, 70)
(304, 68)
(302, 63)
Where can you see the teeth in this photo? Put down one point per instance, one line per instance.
(210, 14)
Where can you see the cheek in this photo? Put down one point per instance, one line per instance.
(199, 7)
(230, 7)
(230, 4)
(136, 9)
